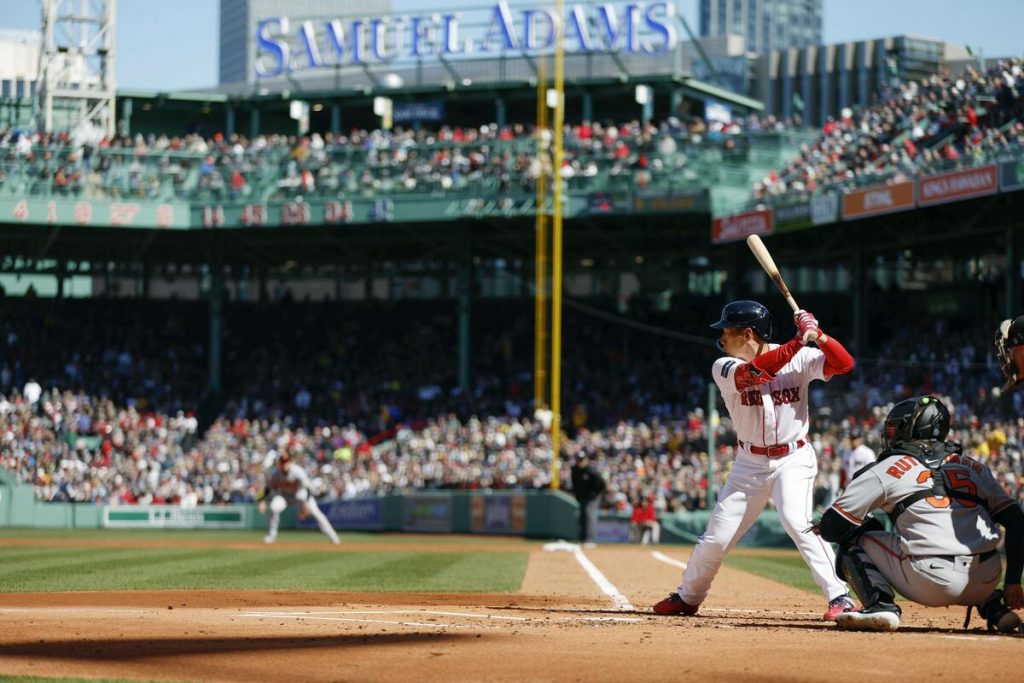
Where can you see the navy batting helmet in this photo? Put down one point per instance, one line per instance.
(746, 314)
(922, 418)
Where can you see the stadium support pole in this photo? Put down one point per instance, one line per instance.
(216, 295)
(542, 262)
(712, 420)
(859, 291)
(1013, 280)
(556, 246)
(465, 313)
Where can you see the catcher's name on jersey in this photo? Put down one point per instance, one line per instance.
(909, 462)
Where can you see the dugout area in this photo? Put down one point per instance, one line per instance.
(551, 622)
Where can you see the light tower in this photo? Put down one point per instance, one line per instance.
(76, 65)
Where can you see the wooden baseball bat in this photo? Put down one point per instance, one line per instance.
(766, 261)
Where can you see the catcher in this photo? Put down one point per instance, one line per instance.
(287, 484)
(944, 508)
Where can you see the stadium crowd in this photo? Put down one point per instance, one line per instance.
(94, 440)
(916, 127)
(484, 158)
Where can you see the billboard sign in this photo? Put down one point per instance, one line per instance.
(174, 517)
(680, 201)
(406, 112)
(498, 514)
(878, 199)
(428, 513)
(286, 46)
(955, 186)
(741, 225)
(360, 513)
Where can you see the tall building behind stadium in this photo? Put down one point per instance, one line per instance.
(765, 25)
(239, 19)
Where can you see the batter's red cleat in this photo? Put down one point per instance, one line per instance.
(674, 604)
(838, 606)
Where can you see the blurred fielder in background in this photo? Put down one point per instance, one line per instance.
(289, 484)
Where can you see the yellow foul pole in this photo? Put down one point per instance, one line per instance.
(556, 248)
(542, 261)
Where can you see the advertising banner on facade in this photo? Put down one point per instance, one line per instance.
(741, 225)
(878, 199)
(174, 517)
(688, 201)
(955, 186)
(406, 112)
(428, 513)
(365, 514)
(825, 208)
(498, 514)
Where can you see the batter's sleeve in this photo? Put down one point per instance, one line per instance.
(724, 374)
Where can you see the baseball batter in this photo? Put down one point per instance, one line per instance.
(765, 389)
(287, 484)
(944, 507)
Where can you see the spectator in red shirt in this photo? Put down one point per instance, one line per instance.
(644, 527)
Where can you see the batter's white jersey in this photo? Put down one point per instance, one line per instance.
(775, 412)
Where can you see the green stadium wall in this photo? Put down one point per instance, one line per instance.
(532, 514)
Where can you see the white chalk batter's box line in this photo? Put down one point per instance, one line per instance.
(349, 616)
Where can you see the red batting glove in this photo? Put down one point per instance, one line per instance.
(807, 329)
(805, 321)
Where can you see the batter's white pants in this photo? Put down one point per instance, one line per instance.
(789, 482)
(935, 581)
(313, 509)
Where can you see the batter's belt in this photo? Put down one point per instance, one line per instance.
(776, 451)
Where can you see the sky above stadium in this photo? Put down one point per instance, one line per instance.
(173, 45)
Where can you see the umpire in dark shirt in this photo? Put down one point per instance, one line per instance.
(587, 486)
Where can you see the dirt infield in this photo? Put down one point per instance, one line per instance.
(561, 626)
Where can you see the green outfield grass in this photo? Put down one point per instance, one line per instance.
(789, 569)
(80, 568)
(212, 564)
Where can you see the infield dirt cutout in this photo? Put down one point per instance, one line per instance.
(560, 626)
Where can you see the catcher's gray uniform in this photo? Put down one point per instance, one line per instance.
(943, 551)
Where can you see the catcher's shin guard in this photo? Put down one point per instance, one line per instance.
(855, 567)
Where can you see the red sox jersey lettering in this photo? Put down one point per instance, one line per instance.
(779, 397)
